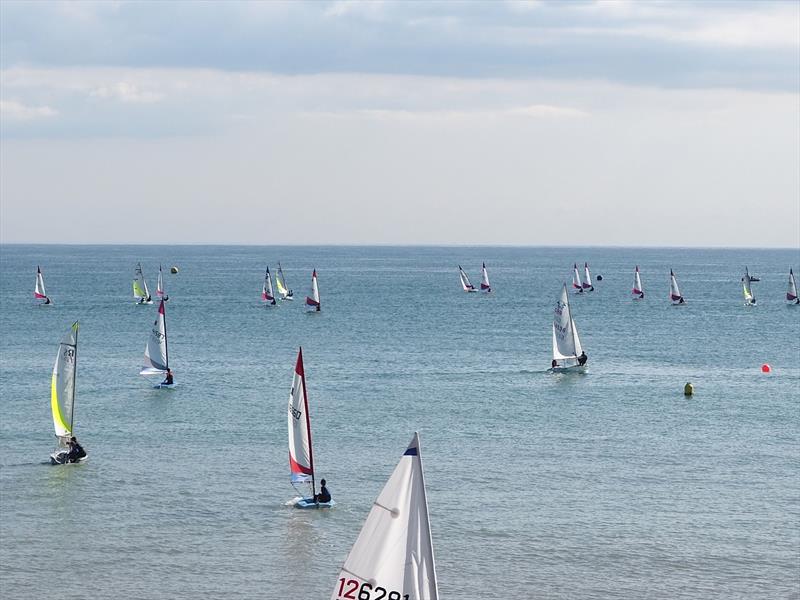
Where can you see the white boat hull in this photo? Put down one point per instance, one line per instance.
(570, 369)
(309, 503)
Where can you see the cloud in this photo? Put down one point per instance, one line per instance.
(16, 111)
(126, 92)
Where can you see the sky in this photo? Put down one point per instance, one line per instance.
(618, 123)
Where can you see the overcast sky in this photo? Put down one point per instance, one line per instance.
(530, 123)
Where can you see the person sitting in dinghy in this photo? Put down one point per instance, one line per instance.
(168, 380)
(324, 495)
(76, 451)
(582, 359)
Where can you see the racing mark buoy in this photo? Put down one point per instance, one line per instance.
(173, 270)
(599, 278)
(688, 389)
(765, 368)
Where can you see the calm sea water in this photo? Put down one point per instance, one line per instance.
(608, 485)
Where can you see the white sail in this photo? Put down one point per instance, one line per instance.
(749, 298)
(566, 343)
(468, 287)
(267, 295)
(791, 293)
(156, 355)
(587, 278)
(38, 291)
(674, 292)
(312, 301)
(637, 290)
(140, 291)
(62, 388)
(301, 458)
(280, 282)
(393, 555)
(160, 291)
(576, 279)
(485, 287)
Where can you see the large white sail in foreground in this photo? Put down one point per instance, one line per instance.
(393, 555)
(301, 457)
(566, 343)
(156, 354)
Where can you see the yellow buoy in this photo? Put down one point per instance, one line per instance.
(688, 389)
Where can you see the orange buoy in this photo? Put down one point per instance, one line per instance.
(765, 368)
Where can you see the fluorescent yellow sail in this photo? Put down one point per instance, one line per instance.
(138, 292)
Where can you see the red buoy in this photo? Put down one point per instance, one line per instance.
(765, 368)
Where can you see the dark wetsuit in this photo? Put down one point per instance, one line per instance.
(324, 495)
(582, 359)
(76, 452)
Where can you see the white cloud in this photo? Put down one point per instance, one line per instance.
(126, 92)
(11, 109)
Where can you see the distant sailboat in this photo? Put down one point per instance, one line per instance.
(156, 352)
(791, 293)
(38, 290)
(312, 301)
(468, 287)
(674, 292)
(749, 298)
(577, 286)
(485, 287)
(140, 291)
(301, 455)
(62, 396)
(392, 557)
(638, 290)
(267, 295)
(587, 278)
(280, 283)
(568, 355)
(160, 286)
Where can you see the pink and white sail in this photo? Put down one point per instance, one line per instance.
(674, 292)
(160, 285)
(637, 290)
(38, 290)
(301, 458)
(312, 301)
(485, 287)
(393, 555)
(267, 295)
(465, 283)
(587, 279)
(576, 279)
(791, 293)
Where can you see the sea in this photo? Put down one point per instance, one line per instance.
(611, 484)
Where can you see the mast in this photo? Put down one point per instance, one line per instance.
(308, 425)
(74, 379)
(427, 514)
(163, 311)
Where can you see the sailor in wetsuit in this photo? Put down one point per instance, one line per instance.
(168, 380)
(76, 451)
(324, 495)
(582, 359)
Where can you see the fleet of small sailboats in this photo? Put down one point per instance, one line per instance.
(638, 290)
(156, 351)
(568, 354)
(267, 295)
(393, 555)
(749, 298)
(468, 287)
(312, 300)
(140, 290)
(674, 293)
(791, 293)
(38, 290)
(485, 287)
(280, 283)
(301, 454)
(62, 396)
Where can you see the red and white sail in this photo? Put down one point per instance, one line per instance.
(576, 279)
(38, 290)
(637, 290)
(267, 295)
(674, 292)
(791, 293)
(312, 301)
(301, 458)
(156, 354)
(160, 285)
(393, 555)
(587, 278)
(465, 283)
(485, 287)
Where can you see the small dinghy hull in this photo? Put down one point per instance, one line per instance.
(309, 503)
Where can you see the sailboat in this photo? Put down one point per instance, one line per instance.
(62, 395)
(301, 455)
(140, 291)
(587, 278)
(160, 286)
(567, 349)
(156, 352)
(280, 283)
(267, 295)
(577, 286)
(749, 298)
(393, 555)
(638, 290)
(485, 287)
(38, 290)
(791, 293)
(312, 301)
(674, 292)
(468, 287)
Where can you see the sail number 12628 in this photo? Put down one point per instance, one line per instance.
(349, 589)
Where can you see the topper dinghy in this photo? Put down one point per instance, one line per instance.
(638, 290)
(140, 291)
(577, 286)
(587, 278)
(791, 292)
(749, 298)
(280, 283)
(468, 287)
(160, 286)
(312, 301)
(156, 352)
(674, 292)
(38, 290)
(485, 287)
(267, 295)
(568, 355)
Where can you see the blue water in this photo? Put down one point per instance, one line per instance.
(608, 485)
